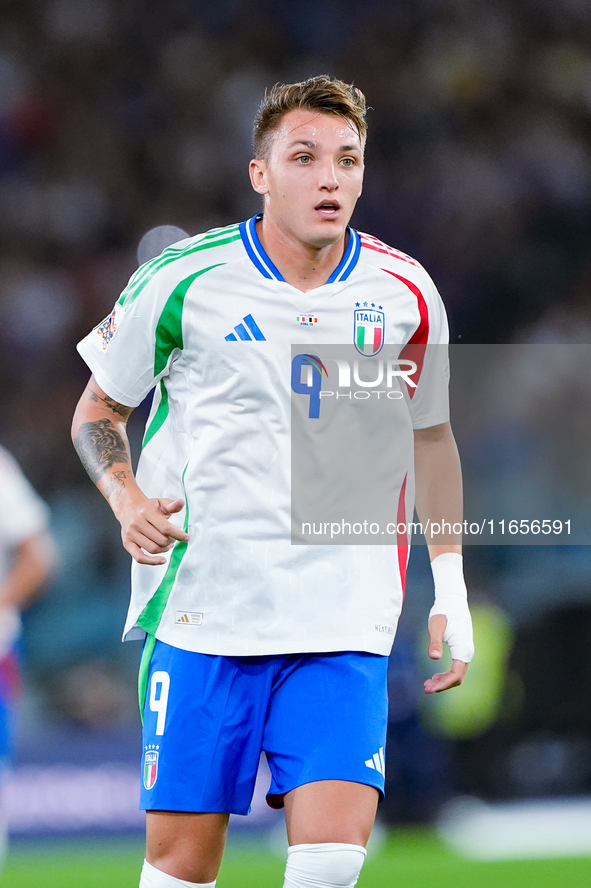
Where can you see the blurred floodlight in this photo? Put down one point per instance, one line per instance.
(157, 239)
(545, 828)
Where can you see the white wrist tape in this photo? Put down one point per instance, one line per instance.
(451, 600)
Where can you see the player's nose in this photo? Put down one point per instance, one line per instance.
(328, 180)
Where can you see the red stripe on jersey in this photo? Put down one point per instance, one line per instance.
(415, 349)
(402, 538)
(372, 243)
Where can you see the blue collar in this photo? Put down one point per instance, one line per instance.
(256, 253)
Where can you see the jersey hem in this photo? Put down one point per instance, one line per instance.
(320, 645)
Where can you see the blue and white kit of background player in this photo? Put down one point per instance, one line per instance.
(23, 514)
(210, 324)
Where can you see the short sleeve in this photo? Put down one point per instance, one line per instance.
(429, 402)
(132, 348)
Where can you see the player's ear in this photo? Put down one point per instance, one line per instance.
(258, 175)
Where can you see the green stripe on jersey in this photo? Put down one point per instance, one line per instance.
(218, 237)
(144, 671)
(160, 415)
(169, 331)
(150, 617)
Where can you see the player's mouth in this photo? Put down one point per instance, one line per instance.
(328, 209)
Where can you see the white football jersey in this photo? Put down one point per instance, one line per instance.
(211, 324)
(23, 514)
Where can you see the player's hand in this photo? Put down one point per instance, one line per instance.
(441, 681)
(146, 530)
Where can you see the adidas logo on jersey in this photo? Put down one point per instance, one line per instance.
(247, 331)
(188, 618)
(378, 762)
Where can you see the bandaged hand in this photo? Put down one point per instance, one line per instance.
(449, 622)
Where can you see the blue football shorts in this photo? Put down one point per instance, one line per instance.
(10, 682)
(208, 718)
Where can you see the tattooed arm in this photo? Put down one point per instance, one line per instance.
(100, 438)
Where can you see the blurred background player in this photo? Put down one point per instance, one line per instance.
(28, 559)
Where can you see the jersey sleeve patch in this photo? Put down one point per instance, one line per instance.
(107, 329)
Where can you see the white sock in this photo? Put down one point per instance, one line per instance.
(155, 878)
(327, 865)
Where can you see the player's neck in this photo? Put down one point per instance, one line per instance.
(303, 266)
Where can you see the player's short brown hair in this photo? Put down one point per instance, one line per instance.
(322, 94)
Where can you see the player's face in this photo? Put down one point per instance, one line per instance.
(312, 178)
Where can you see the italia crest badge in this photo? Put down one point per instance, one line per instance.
(369, 329)
(150, 767)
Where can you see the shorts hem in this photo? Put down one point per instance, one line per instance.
(275, 800)
(205, 809)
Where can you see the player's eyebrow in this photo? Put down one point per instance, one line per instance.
(305, 142)
(310, 144)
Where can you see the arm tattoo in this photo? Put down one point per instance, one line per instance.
(100, 446)
(115, 406)
(115, 484)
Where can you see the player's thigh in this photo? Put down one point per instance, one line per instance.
(330, 811)
(327, 722)
(186, 846)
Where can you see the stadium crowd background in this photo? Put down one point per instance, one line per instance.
(117, 116)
